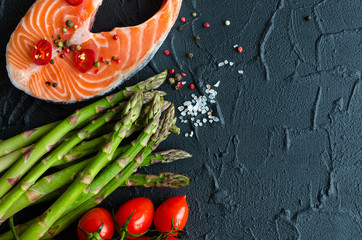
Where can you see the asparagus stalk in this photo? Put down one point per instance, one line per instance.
(10, 178)
(147, 97)
(46, 220)
(118, 181)
(116, 166)
(167, 156)
(89, 147)
(170, 180)
(24, 139)
(54, 156)
(7, 160)
(83, 149)
(45, 186)
(165, 179)
(156, 138)
(52, 185)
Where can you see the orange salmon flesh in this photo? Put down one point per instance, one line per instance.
(134, 47)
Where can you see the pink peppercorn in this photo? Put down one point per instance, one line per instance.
(180, 84)
(183, 74)
(192, 86)
(171, 71)
(67, 50)
(183, 19)
(102, 59)
(166, 52)
(240, 49)
(115, 37)
(118, 60)
(206, 25)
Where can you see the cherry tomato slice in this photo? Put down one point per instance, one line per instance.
(174, 208)
(143, 211)
(84, 60)
(92, 221)
(74, 2)
(42, 52)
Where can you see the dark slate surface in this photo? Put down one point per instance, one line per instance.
(285, 161)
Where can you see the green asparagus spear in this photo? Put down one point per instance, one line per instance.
(52, 185)
(11, 177)
(120, 179)
(116, 166)
(25, 139)
(46, 220)
(55, 155)
(7, 160)
(123, 175)
(170, 180)
(45, 186)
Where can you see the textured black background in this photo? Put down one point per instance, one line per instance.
(285, 160)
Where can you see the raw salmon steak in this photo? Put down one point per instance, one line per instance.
(52, 54)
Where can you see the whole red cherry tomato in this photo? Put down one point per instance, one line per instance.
(84, 60)
(174, 210)
(74, 2)
(142, 211)
(91, 223)
(42, 52)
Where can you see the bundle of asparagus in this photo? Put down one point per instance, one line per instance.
(92, 159)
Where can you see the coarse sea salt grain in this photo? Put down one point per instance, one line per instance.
(241, 71)
(221, 64)
(197, 111)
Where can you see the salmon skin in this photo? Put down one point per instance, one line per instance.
(119, 53)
